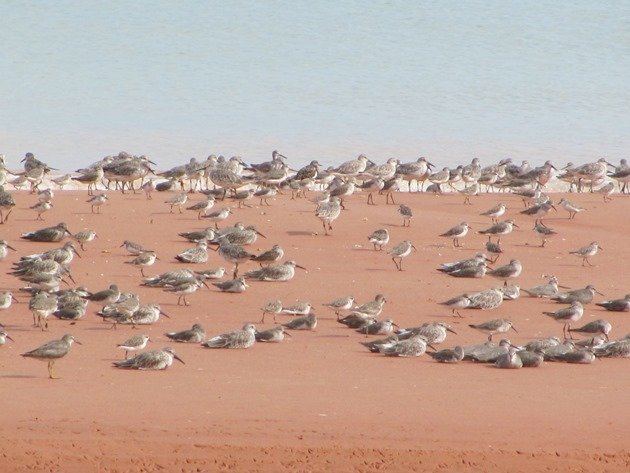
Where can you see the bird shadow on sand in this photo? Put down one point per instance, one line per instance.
(299, 233)
(18, 376)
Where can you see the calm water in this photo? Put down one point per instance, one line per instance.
(325, 80)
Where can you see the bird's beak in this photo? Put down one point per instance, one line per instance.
(515, 225)
(78, 342)
(260, 234)
(205, 284)
(178, 359)
(448, 329)
(512, 327)
(301, 267)
(76, 252)
(165, 315)
(599, 247)
(287, 334)
(414, 248)
(431, 347)
(599, 292)
(10, 338)
(554, 207)
(9, 246)
(71, 278)
(430, 165)
(14, 299)
(563, 287)
(396, 325)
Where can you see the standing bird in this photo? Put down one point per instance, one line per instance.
(133, 248)
(342, 303)
(135, 343)
(539, 211)
(586, 251)
(151, 360)
(570, 207)
(328, 212)
(178, 201)
(97, 201)
(499, 229)
(543, 232)
(202, 207)
(457, 232)
(143, 260)
(84, 236)
(494, 326)
(406, 214)
(218, 216)
(273, 307)
(458, 302)
(400, 251)
(244, 338)
(495, 212)
(41, 207)
(567, 315)
(195, 335)
(596, 327)
(52, 351)
(7, 202)
(379, 238)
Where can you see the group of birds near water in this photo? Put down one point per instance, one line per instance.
(239, 182)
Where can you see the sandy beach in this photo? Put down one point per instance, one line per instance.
(319, 401)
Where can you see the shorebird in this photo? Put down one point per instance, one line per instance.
(202, 207)
(7, 202)
(41, 207)
(531, 359)
(371, 186)
(499, 229)
(62, 181)
(195, 335)
(381, 327)
(244, 338)
(486, 352)
(542, 344)
(511, 270)
(406, 213)
(570, 207)
(585, 356)
(457, 232)
(91, 177)
(273, 307)
(400, 251)
(434, 332)
(539, 211)
(265, 193)
(306, 322)
(342, 303)
(148, 187)
(510, 291)
(543, 232)
(371, 309)
(105, 297)
(135, 343)
(458, 302)
(6, 299)
(486, 300)
(599, 326)
(461, 264)
(178, 201)
(273, 335)
(448, 355)
(143, 260)
(42, 305)
(607, 190)
(509, 360)
(616, 305)
(328, 212)
(586, 251)
(236, 285)
(352, 168)
(4, 336)
(243, 196)
(96, 202)
(133, 248)
(469, 191)
(495, 249)
(414, 346)
(300, 308)
(494, 326)
(495, 212)
(272, 255)
(185, 288)
(52, 351)
(545, 290)
(476, 269)
(4, 249)
(236, 254)
(198, 235)
(151, 360)
(48, 234)
(374, 345)
(84, 236)
(379, 238)
(567, 315)
(275, 272)
(616, 349)
(585, 295)
(197, 254)
(218, 216)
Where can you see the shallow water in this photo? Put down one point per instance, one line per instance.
(325, 80)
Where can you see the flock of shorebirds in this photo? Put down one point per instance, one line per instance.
(235, 182)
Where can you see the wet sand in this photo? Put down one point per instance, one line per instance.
(318, 401)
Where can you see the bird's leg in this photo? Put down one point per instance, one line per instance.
(142, 272)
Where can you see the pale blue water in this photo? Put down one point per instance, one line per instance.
(327, 80)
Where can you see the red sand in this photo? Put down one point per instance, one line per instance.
(319, 401)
